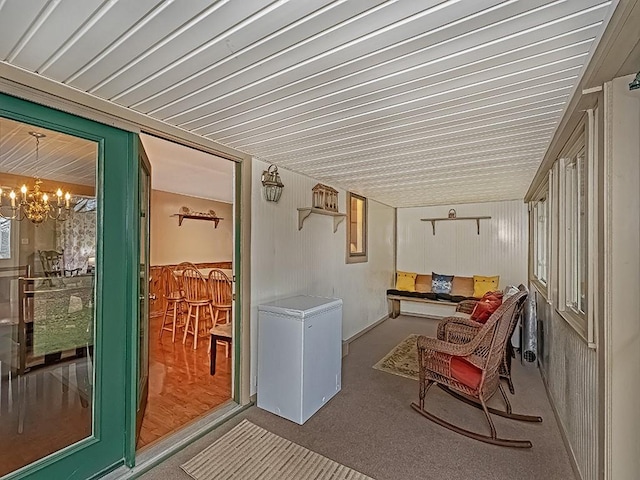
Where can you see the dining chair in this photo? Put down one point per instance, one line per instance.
(183, 266)
(197, 296)
(221, 295)
(173, 295)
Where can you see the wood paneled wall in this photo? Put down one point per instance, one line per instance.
(570, 370)
(156, 286)
(457, 249)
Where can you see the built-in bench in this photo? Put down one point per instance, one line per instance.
(461, 289)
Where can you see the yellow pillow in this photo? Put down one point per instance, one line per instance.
(482, 285)
(406, 281)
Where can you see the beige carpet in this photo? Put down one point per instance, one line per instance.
(402, 360)
(249, 452)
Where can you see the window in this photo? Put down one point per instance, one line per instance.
(5, 239)
(356, 228)
(540, 240)
(576, 171)
(575, 233)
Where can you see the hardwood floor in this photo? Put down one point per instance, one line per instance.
(42, 412)
(180, 386)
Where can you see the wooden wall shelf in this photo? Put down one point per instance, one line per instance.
(303, 213)
(182, 216)
(444, 219)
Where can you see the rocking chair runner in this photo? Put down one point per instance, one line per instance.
(471, 371)
(462, 330)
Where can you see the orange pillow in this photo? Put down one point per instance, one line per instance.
(465, 372)
(485, 307)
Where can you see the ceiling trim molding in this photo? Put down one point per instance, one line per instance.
(36, 88)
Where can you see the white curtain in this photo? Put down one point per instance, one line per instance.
(77, 236)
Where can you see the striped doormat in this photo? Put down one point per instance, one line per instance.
(248, 452)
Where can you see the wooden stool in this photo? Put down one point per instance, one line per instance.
(174, 297)
(222, 333)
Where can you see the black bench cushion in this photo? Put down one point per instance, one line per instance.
(429, 295)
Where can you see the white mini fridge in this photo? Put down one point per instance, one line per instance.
(299, 355)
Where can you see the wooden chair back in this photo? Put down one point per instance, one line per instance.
(495, 343)
(172, 287)
(195, 286)
(52, 262)
(184, 265)
(220, 286)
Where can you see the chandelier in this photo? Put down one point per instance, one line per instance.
(35, 205)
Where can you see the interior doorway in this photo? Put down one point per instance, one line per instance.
(191, 287)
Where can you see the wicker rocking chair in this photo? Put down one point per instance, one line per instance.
(462, 330)
(471, 372)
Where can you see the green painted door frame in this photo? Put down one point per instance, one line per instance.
(116, 296)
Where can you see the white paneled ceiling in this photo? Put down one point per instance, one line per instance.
(407, 102)
(60, 157)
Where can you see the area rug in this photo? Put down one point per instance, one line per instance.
(248, 452)
(402, 360)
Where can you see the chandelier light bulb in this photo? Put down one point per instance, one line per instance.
(45, 197)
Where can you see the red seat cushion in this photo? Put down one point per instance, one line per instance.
(485, 307)
(465, 372)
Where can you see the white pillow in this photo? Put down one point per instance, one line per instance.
(509, 291)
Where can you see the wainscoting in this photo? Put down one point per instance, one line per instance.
(156, 286)
(570, 370)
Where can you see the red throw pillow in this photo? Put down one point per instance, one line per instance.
(485, 307)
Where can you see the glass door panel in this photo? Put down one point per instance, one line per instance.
(47, 291)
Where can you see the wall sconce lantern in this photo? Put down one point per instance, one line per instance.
(271, 183)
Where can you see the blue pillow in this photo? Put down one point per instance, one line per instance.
(441, 283)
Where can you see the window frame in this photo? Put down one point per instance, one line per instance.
(363, 256)
(576, 296)
(540, 242)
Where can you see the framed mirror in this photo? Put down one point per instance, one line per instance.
(356, 228)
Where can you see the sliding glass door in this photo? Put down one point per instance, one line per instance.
(68, 283)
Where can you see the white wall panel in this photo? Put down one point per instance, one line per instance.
(457, 249)
(286, 262)
(570, 369)
(622, 279)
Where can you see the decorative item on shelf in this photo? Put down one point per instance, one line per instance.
(271, 183)
(325, 198)
(186, 212)
(636, 83)
(35, 205)
(452, 213)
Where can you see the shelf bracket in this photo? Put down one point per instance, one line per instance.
(336, 222)
(303, 214)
